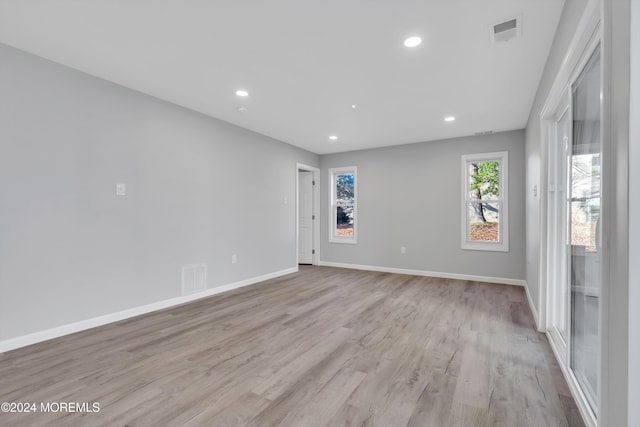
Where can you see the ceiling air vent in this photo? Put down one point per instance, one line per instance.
(486, 132)
(506, 30)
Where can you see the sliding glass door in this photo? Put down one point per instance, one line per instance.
(584, 223)
(574, 230)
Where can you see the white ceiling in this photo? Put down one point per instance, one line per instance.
(305, 63)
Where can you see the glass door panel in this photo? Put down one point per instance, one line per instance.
(583, 207)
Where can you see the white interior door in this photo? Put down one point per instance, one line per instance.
(305, 217)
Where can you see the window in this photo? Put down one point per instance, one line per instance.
(343, 217)
(484, 199)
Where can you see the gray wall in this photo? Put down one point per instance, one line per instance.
(614, 298)
(198, 190)
(567, 26)
(634, 227)
(410, 196)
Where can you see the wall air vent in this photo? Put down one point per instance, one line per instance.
(506, 30)
(486, 132)
(194, 278)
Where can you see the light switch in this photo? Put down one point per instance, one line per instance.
(121, 189)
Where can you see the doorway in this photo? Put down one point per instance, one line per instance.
(307, 214)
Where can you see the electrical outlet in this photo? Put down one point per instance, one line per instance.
(121, 189)
(403, 249)
(234, 259)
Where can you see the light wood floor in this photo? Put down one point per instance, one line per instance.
(323, 347)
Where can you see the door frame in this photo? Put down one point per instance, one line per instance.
(588, 36)
(562, 345)
(315, 234)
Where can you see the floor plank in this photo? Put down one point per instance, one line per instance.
(322, 347)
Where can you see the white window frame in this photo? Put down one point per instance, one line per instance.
(502, 245)
(333, 172)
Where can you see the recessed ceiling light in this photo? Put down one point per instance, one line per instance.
(354, 106)
(413, 41)
(333, 137)
(242, 93)
(449, 119)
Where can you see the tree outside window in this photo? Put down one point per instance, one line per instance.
(484, 201)
(345, 197)
(484, 185)
(343, 224)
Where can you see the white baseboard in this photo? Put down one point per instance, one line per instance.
(534, 312)
(501, 280)
(36, 337)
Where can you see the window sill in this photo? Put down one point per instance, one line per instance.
(490, 247)
(348, 241)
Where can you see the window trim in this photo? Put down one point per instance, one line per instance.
(333, 172)
(503, 232)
